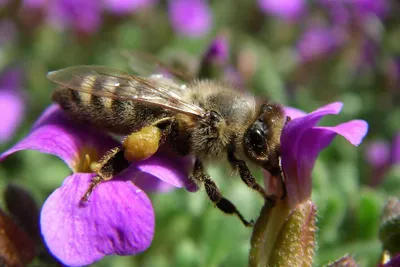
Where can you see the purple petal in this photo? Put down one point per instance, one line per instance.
(286, 9)
(168, 169)
(190, 17)
(301, 142)
(354, 131)
(218, 51)
(54, 134)
(395, 157)
(318, 41)
(394, 261)
(82, 15)
(293, 131)
(378, 154)
(294, 113)
(121, 7)
(118, 219)
(11, 103)
(12, 110)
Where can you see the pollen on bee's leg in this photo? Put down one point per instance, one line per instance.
(142, 144)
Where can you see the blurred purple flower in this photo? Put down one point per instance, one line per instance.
(302, 141)
(394, 261)
(119, 218)
(395, 155)
(218, 51)
(381, 156)
(84, 16)
(190, 18)
(318, 41)
(285, 9)
(121, 7)
(215, 63)
(11, 103)
(343, 12)
(378, 154)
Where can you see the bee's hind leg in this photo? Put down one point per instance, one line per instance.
(137, 146)
(201, 177)
(112, 163)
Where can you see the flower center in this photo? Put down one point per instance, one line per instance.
(86, 158)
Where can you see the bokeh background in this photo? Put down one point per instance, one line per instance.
(300, 53)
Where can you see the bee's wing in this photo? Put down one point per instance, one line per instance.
(146, 64)
(115, 84)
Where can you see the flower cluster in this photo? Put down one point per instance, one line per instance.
(192, 18)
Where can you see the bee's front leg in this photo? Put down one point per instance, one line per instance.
(247, 177)
(200, 177)
(137, 146)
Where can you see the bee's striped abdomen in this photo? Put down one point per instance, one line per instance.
(109, 113)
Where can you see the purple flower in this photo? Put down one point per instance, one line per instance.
(127, 6)
(381, 156)
(378, 154)
(301, 142)
(395, 155)
(318, 41)
(119, 218)
(394, 261)
(343, 12)
(84, 16)
(285, 9)
(11, 103)
(190, 18)
(218, 51)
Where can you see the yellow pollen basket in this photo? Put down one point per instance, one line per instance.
(142, 144)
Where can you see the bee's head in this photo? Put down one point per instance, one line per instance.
(262, 137)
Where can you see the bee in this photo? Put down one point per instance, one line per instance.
(206, 119)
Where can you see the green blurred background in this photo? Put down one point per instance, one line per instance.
(304, 59)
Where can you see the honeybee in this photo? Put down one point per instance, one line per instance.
(206, 119)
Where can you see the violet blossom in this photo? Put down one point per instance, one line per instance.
(11, 103)
(301, 142)
(317, 41)
(85, 16)
(190, 18)
(290, 10)
(284, 234)
(381, 156)
(122, 7)
(119, 218)
(215, 63)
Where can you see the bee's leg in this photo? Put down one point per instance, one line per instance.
(112, 163)
(135, 147)
(247, 177)
(201, 177)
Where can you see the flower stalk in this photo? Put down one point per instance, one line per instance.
(282, 237)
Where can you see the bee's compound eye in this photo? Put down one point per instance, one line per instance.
(255, 139)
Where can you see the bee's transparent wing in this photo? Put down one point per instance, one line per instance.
(146, 64)
(107, 82)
